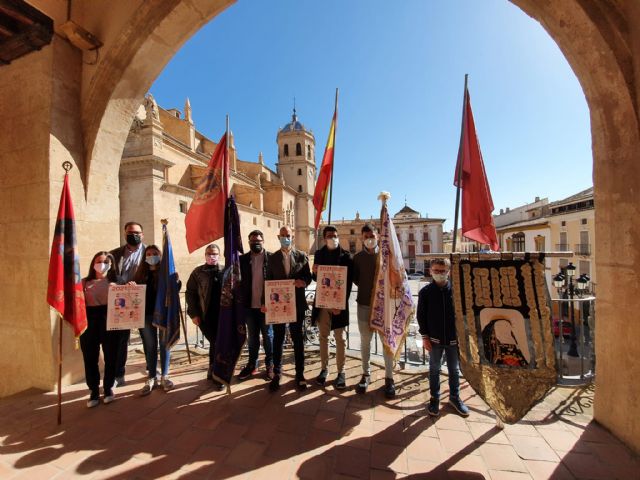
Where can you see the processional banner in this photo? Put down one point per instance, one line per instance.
(503, 320)
(280, 297)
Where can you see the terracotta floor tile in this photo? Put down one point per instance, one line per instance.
(450, 421)
(427, 449)
(545, 470)
(501, 457)
(533, 448)
(453, 441)
(469, 467)
(502, 475)
(584, 465)
(521, 429)
(487, 433)
(422, 469)
(564, 441)
(385, 456)
(353, 462)
(327, 420)
(320, 466)
(317, 438)
(285, 445)
(245, 454)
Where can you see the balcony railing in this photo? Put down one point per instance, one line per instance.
(583, 249)
(562, 247)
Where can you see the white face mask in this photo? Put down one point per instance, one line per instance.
(101, 267)
(440, 277)
(332, 243)
(153, 259)
(370, 243)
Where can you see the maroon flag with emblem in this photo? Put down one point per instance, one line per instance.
(64, 292)
(205, 218)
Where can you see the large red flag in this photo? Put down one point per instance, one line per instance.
(205, 218)
(64, 292)
(477, 205)
(321, 192)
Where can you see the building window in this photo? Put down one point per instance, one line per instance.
(412, 251)
(518, 242)
(411, 239)
(268, 223)
(585, 267)
(426, 248)
(183, 206)
(299, 172)
(425, 236)
(286, 150)
(309, 151)
(255, 221)
(298, 149)
(563, 223)
(300, 188)
(352, 246)
(352, 231)
(583, 221)
(539, 240)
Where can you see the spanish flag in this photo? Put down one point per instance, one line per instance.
(321, 193)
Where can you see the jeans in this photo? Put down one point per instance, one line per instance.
(435, 362)
(150, 343)
(255, 326)
(324, 325)
(366, 333)
(93, 337)
(122, 350)
(298, 346)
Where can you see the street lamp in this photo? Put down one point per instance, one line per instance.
(567, 286)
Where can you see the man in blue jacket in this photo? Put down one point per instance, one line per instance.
(438, 329)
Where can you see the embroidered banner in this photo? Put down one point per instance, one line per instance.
(503, 320)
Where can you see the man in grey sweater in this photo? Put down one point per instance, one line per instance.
(364, 271)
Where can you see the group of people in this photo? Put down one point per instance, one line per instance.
(136, 263)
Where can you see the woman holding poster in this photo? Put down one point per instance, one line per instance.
(147, 274)
(96, 292)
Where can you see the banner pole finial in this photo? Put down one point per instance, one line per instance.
(67, 166)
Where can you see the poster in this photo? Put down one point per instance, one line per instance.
(331, 287)
(126, 307)
(280, 299)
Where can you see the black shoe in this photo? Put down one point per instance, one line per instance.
(322, 378)
(434, 407)
(339, 383)
(459, 406)
(217, 386)
(363, 384)
(120, 381)
(274, 385)
(389, 388)
(247, 372)
(301, 383)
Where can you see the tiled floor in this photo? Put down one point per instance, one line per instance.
(193, 432)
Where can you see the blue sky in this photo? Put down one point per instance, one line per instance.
(400, 69)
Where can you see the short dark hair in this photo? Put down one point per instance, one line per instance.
(444, 262)
(255, 233)
(369, 227)
(128, 224)
(328, 228)
(211, 246)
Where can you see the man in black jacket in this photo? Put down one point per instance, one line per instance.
(289, 263)
(253, 271)
(436, 318)
(332, 254)
(203, 301)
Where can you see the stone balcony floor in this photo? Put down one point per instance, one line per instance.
(193, 432)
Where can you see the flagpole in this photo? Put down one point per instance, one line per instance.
(459, 166)
(60, 372)
(228, 159)
(335, 117)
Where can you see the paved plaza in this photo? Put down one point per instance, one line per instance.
(193, 432)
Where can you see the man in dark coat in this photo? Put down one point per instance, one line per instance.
(203, 301)
(289, 263)
(332, 254)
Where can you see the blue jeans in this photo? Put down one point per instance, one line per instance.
(151, 341)
(255, 326)
(435, 362)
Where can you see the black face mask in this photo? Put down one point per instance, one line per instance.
(133, 239)
(256, 247)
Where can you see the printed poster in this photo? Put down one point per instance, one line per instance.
(331, 287)
(280, 299)
(126, 307)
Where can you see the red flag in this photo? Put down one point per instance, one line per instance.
(64, 292)
(477, 205)
(205, 218)
(321, 192)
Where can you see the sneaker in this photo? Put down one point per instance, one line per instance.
(274, 385)
(94, 400)
(459, 406)
(301, 383)
(269, 373)
(120, 382)
(389, 388)
(247, 372)
(322, 378)
(166, 383)
(339, 383)
(434, 407)
(108, 397)
(149, 384)
(363, 384)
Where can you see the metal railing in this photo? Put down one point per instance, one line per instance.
(562, 247)
(582, 249)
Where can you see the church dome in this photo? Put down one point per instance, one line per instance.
(294, 125)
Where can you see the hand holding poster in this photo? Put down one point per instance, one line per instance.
(126, 307)
(280, 300)
(331, 287)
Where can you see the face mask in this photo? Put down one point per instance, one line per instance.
(370, 243)
(101, 267)
(440, 277)
(332, 243)
(152, 260)
(256, 247)
(212, 259)
(133, 239)
(285, 242)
